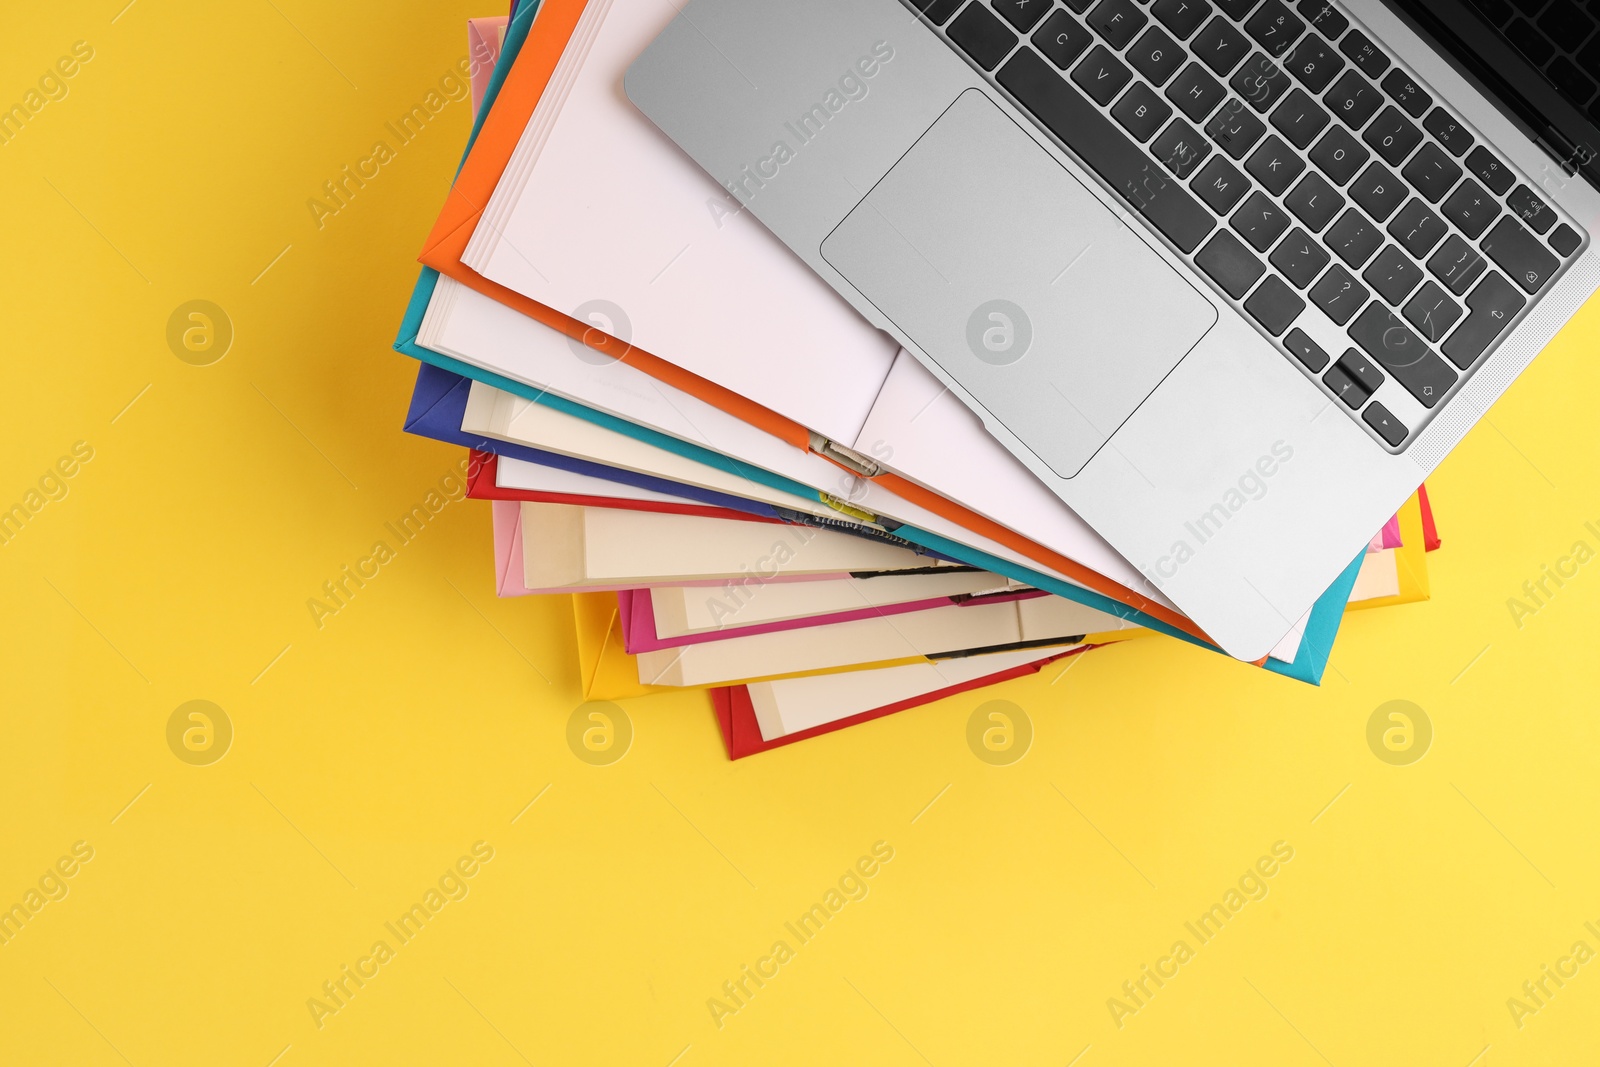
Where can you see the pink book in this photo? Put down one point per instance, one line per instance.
(1388, 537)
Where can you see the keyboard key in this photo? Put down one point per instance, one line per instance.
(1106, 150)
(1364, 54)
(1101, 75)
(1457, 264)
(1314, 202)
(1564, 22)
(1274, 305)
(1353, 99)
(1432, 173)
(1339, 155)
(1494, 303)
(1321, 14)
(1220, 185)
(1432, 312)
(1156, 56)
(1062, 38)
(1392, 136)
(1349, 391)
(1182, 17)
(1471, 208)
(1314, 63)
(1530, 42)
(1180, 148)
(1403, 354)
(1407, 93)
(1195, 92)
(1023, 14)
(1299, 118)
(980, 35)
(1260, 82)
(1387, 426)
(1118, 21)
(1417, 229)
(1537, 215)
(1235, 129)
(1520, 254)
(1080, 6)
(1300, 258)
(1565, 240)
(1229, 263)
(1450, 133)
(1274, 165)
(1274, 27)
(1361, 370)
(1220, 46)
(1490, 170)
(1393, 275)
(1378, 191)
(1338, 294)
(1260, 222)
(1353, 238)
(1306, 350)
(1141, 111)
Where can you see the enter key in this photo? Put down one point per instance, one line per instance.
(1493, 304)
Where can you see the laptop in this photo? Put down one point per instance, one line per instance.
(1231, 277)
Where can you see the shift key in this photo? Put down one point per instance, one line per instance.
(1403, 354)
(1107, 151)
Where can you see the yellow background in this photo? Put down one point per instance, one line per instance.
(425, 716)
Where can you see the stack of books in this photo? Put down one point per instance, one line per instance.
(740, 484)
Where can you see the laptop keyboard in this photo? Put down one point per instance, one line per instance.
(1350, 215)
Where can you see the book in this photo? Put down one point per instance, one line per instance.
(679, 611)
(640, 634)
(565, 546)
(947, 632)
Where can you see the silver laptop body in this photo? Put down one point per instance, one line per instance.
(1115, 320)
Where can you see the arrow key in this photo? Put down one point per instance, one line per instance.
(1377, 416)
(1359, 368)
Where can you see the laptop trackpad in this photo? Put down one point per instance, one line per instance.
(1019, 283)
